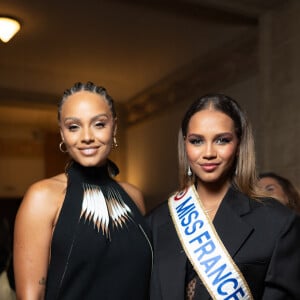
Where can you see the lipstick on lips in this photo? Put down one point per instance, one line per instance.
(209, 167)
(88, 151)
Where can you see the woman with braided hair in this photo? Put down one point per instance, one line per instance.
(81, 234)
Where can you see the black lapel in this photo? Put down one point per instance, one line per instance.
(230, 226)
(229, 223)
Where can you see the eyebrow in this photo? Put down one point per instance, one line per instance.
(93, 118)
(216, 135)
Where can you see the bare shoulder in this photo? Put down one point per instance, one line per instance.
(135, 194)
(33, 230)
(44, 197)
(46, 189)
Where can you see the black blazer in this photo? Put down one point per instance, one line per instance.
(263, 239)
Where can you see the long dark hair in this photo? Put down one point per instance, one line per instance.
(244, 170)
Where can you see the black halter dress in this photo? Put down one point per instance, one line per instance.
(101, 247)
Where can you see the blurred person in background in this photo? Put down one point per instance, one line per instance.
(281, 189)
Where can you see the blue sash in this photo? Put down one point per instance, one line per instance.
(204, 248)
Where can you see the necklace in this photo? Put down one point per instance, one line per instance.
(208, 210)
(213, 208)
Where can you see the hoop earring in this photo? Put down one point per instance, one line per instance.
(115, 144)
(189, 172)
(61, 147)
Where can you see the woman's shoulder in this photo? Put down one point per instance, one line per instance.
(263, 204)
(159, 215)
(160, 209)
(135, 194)
(47, 187)
(271, 206)
(45, 196)
(160, 212)
(275, 216)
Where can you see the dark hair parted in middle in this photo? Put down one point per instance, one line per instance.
(244, 169)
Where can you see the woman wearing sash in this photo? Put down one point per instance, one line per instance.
(81, 234)
(217, 237)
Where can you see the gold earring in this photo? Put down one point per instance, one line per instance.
(61, 147)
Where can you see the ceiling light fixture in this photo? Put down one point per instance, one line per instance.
(8, 28)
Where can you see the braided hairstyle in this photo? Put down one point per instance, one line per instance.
(89, 87)
(101, 91)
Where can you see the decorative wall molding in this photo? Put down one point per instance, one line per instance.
(218, 69)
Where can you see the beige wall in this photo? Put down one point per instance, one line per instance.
(152, 144)
(278, 141)
(21, 159)
(271, 99)
(152, 156)
(147, 153)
